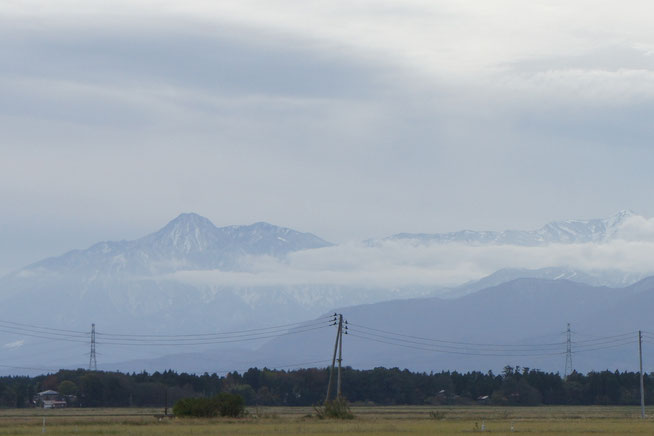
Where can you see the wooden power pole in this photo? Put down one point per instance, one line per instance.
(331, 369)
(642, 386)
(340, 355)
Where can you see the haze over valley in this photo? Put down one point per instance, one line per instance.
(192, 277)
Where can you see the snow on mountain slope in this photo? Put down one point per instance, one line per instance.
(189, 242)
(559, 232)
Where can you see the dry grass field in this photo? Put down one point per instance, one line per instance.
(368, 421)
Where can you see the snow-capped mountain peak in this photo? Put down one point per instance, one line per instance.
(188, 242)
(187, 233)
(619, 218)
(556, 232)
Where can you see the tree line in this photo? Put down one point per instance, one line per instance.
(305, 387)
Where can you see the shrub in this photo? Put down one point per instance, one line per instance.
(223, 404)
(196, 407)
(337, 409)
(230, 404)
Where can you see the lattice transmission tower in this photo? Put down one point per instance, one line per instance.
(93, 363)
(568, 352)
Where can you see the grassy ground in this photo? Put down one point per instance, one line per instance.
(369, 421)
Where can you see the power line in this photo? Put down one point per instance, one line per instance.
(594, 338)
(443, 341)
(362, 332)
(45, 331)
(445, 351)
(275, 327)
(52, 337)
(457, 347)
(608, 342)
(209, 342)
(486, 349)
(444, 348)
(196, 338)
(622, 344)
(189, 339)
(603, 338)
(42, 328)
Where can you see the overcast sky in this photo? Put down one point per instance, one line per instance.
(348, 119)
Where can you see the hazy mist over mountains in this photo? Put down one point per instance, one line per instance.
(191, 276)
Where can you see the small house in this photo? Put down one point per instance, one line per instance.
(50, 400)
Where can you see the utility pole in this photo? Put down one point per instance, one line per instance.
(93, 364)
(331, 369)
(568, 352)
(340, 355)
(642, 386)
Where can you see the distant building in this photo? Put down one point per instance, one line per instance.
(50, 400)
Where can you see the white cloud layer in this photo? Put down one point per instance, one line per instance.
(404, 263)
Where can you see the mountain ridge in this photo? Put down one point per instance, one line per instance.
(530, 313)
(521, 311)
(189, 241)
(565, 232)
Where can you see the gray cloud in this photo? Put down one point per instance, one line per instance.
(350, 122)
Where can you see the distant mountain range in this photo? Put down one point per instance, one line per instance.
(532, 313)
(609, 277)
(520, 322)
(558, 232)
(130, 286)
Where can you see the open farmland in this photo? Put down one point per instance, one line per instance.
(369, 421)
